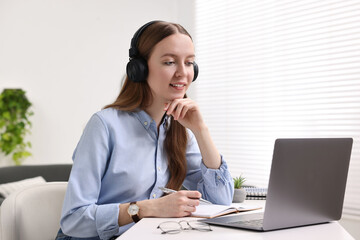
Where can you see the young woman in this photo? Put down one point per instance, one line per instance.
(152, 136)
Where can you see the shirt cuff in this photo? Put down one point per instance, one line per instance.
(216, 177)
(107, 220)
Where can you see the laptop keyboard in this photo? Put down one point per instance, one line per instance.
(254, 223)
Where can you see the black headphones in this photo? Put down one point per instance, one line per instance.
(137, 69)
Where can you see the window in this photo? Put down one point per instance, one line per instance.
(277, 69)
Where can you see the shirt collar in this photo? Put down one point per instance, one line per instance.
(146, 120)
(166, 121)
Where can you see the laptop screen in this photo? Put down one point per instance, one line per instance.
(307, 181)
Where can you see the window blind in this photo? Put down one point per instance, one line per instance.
(279, 69)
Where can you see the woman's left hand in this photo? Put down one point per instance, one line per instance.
(186, 112)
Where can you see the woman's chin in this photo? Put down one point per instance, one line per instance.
(177, 96)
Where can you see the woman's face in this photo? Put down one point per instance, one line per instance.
(171, 68)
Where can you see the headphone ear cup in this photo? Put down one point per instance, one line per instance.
(196, 71)
(137, 70)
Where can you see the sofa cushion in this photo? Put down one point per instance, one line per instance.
(7, 188)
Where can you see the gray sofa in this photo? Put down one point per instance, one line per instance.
(50, 172)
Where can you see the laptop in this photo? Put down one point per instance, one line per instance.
(306, 186)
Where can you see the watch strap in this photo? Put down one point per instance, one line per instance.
(135, 217)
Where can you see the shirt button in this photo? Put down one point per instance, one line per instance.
(154, 195)
(159, 168)
(218, 177)
(145, 123)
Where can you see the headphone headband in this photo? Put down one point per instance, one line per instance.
(133, 51)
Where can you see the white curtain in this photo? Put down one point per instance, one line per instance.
(279, 69)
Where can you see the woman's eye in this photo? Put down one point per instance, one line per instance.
(189, 63)
(169, 63)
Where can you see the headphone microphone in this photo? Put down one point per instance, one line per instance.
(137, 69)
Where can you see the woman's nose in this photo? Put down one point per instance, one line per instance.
(181, 70)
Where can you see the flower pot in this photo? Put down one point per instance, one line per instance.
(239, 195)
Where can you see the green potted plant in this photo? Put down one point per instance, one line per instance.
(239, 192)
(14, 124)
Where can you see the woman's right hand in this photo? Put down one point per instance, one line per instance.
(178, 204)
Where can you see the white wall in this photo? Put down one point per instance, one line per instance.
(70, 56)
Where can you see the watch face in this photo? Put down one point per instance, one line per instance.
(133, 209)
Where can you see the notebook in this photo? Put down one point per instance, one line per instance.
(214, 210)
(255, 193)
(306, 186)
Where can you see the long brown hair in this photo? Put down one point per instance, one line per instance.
(134, 96)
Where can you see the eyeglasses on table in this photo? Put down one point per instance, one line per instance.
(173, 227)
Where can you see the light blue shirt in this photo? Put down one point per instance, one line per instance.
(120, 158)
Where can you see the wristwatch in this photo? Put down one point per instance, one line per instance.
(133, 211)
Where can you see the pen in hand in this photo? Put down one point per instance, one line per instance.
(168, 190)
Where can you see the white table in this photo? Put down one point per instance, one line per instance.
(147, 229)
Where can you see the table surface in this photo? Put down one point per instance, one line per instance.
(147, 229)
